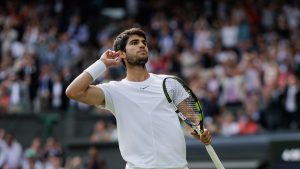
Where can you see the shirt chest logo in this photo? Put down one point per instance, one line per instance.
(144, 87)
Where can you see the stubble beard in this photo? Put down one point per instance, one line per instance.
(136, 60)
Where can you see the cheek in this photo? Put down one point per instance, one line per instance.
(129, 50)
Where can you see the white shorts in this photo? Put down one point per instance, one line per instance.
(130, 166)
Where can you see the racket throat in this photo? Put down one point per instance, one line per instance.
(181, 115)
(198, 129)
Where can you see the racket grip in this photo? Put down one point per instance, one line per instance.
(214, 157)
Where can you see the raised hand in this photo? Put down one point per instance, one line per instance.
(111, 58)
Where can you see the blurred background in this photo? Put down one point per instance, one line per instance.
(241, 58)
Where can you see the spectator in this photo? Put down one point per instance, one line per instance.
(18, 95)
(13, 151)
(77, 30)
(291, 103)
(2, 147)
(229, 126)
(57, 92)
(93, 160)
(31, 160)
(35, 149)
(4, 98)
(74, 163)
(52, 147)
(247, 126)
(233, 92)
(7, 36)
(54, 160)
(45, 88)
(100, 132)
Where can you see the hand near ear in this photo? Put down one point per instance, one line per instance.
(111, 58)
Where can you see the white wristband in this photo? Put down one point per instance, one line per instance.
(96, 69)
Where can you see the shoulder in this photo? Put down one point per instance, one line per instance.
(161, 76)
(109, 83)
(108, 86)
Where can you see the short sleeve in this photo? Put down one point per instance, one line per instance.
(108, 97)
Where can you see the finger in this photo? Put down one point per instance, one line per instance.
(117, 60)
(207, 138)
(209, 141)
(106, 54)
(205, 135)
(194, 133)
(205, 141)
(110, 54)
(116, 54)
(205, 132)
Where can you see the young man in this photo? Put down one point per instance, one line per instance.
(149, 131)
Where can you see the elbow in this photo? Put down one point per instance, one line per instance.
(70, 93)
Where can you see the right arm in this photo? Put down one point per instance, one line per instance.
(81, 89)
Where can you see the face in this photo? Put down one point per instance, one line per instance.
(136, 51)
(9, 138)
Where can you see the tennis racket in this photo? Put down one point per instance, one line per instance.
(189, 109)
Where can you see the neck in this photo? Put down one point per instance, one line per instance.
(137, 74)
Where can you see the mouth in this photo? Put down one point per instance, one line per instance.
(142, 51)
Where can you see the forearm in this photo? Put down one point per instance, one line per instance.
(80, 85)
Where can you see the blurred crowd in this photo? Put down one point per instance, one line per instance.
(241, 58)
(48, 156)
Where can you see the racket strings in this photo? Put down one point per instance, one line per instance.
(183, 100)
(189, 109)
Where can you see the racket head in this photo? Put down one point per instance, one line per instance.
(185, 102)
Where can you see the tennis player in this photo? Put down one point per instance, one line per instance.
(149, 131)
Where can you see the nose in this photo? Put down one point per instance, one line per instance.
(142, 46)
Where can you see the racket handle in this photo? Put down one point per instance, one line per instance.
(214, 157)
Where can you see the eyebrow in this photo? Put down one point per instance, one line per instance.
(134, 40)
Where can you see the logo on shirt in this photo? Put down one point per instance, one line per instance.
(145, 87)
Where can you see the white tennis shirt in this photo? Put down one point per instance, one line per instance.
(149, 132)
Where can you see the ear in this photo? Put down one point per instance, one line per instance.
(122, 55)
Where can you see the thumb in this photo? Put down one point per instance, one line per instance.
(194, 133)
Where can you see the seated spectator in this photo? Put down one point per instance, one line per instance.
(229, 125)
(2, 145)
(35, 147)
(54, 160)
(247, 126)
(100, 132)
(74, 163)
(12, 152)
(93, 160)
(51, 147)
(31, 160)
